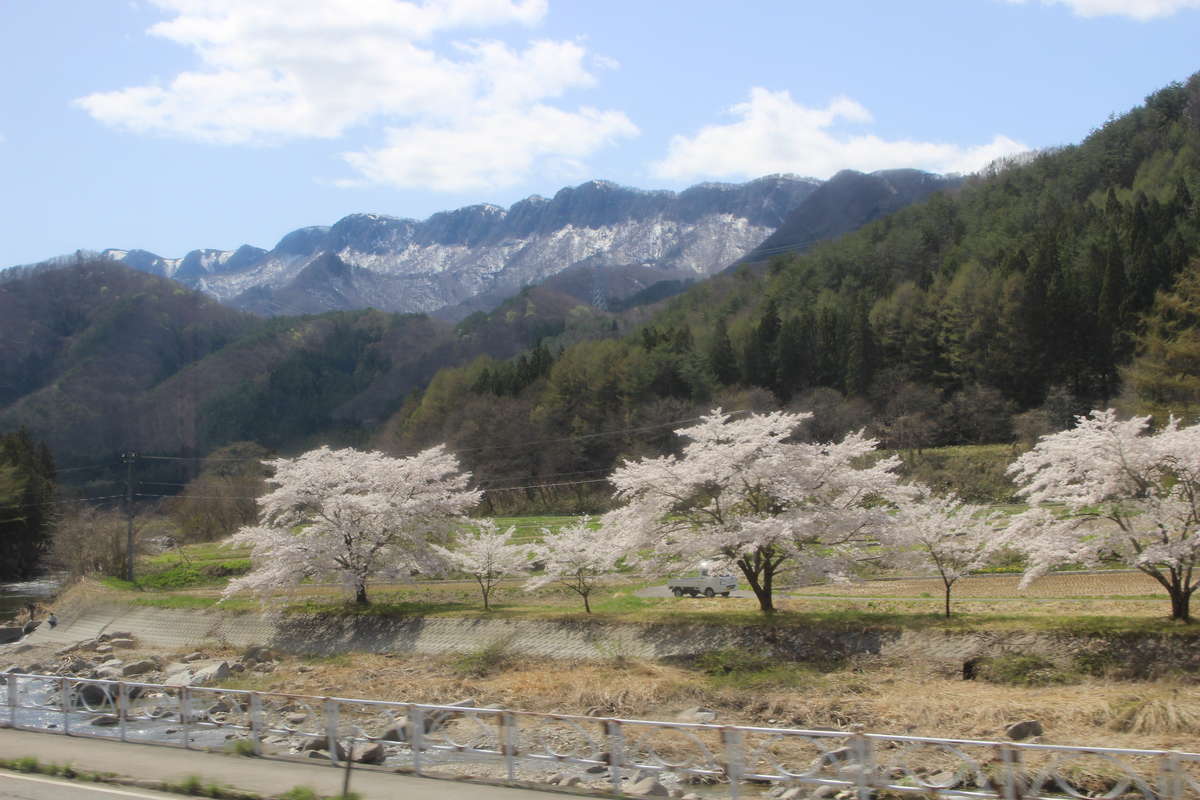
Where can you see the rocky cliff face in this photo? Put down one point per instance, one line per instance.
(617, 239)
(485, 251)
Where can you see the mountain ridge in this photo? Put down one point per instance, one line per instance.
(462, 260)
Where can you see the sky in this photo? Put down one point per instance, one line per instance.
(170, 125)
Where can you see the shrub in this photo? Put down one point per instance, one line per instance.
(486, 660)
(300, 793)
(241, 747)
(26, 764)
(1013, 669)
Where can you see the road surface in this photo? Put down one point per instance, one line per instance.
(39, 787)
(264, 776)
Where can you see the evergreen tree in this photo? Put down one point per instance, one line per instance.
(721, 358)
(27, 478)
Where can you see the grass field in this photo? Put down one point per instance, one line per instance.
(194, 576)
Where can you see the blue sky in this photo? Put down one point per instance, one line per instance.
(176, 124)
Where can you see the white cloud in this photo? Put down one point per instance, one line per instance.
(489, 150)
(1137, 9)
(773, 133)
(274, 70)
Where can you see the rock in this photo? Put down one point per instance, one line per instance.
(826, 792)
(304, 668)
(319, 743)
(691, 796)
(944, 780)
(120, 635)
(123, 644)
(397, 732)
(104, 649)
(181, 678)
(1024, 729)
(89, 695)
(139, 667)
(197, 656)
(697, 714)
(237, 667)
(258, 652)
(792, 793)
(372, 754)
(106, 721)
(109, 673)
(570, 780)
(296, 719)
(648, 787)
(211, 673)
(173, 667)
(318, 754)
(76, 664)
(839, 756)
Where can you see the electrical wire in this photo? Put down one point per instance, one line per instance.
(579, 437)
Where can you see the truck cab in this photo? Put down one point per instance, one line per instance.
(704, 582)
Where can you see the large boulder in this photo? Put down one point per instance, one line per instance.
(138, 667)
(371, 754)
(648, 787)
(211, 673)
(1024, 729)
(183, 677)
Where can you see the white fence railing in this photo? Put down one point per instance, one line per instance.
(525, 746)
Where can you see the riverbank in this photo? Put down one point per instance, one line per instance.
(1125, 689)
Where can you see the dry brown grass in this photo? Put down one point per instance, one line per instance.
(883, 697)
(1166, 711)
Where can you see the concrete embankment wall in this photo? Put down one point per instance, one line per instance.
(582, 639)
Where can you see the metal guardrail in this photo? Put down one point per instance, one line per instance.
(530, 746)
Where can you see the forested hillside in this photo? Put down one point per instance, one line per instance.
(97, 359)
(988, 312)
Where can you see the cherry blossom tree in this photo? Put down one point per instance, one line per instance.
(488, 555)
(952, 537)
(576, 556)
(741, 491)
(349, 515)
(1111, 487)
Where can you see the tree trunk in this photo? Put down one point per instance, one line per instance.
(1181, 600)
(762, 591)
(947, 600)
(586, 605)
(360, 593)
(1177, 588)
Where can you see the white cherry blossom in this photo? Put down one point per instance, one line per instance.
(348, 515)
(576, 556)
(1110, 487)
(488, 555)
(742, 492)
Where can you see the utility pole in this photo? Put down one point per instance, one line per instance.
(129, 459)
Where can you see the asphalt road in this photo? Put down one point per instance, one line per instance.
(38, 787)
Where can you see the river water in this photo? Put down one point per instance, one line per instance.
(14, 596)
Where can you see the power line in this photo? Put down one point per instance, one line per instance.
(92, 466)
(579, 437)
